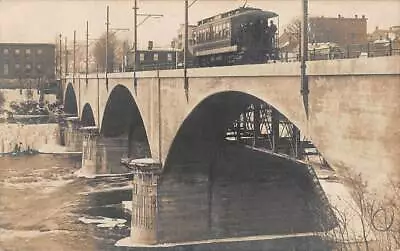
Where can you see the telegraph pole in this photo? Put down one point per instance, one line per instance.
(87, 50)
(107, 34)
(74, 55)
(107, 30)
(134, 43)
(60, 61)
(66, 57)
(304, 78)
(185, 52)
(304, 49)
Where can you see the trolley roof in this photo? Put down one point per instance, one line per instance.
(237, 12)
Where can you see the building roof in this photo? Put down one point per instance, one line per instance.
(156, 50)
(237, 12)
(26, 44)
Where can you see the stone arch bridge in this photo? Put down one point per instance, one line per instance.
(353, 109)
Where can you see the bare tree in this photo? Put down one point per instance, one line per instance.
(99, 51)
(293, 31)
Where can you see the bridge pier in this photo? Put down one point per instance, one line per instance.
(102, 158)
(144, 201)
(72, 136)
(89, 151)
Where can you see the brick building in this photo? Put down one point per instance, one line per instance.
(393, 33)
(27, 61)
(340, 30)
(152, 58)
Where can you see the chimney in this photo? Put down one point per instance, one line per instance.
(339, 16)
(363, 16)
(376, 28)
(150, 45)
(356, 16)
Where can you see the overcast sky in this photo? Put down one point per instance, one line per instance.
(42, 20)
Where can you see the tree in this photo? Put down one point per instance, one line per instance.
(293, 31)
(99, 51)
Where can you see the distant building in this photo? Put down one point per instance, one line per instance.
(27, 61)
(179, 41)
(152, 58)
(339, 30)
(393, 33)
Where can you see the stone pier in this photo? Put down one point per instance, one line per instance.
(89, 151)
(72, 135)
(102, 158)
(144, 201)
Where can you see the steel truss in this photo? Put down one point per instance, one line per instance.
(262, 126)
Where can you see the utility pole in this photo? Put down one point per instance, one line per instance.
(186, 46)
(87, 50)
(107, 30)
(74, 55)
(66, 57)
(134, 43)
(304, 78)
(60, 61)
(304, 50)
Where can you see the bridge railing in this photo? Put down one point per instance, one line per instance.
(379, 48)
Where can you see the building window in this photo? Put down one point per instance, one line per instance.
(141, 56)
(5, 51)
(17, 66)
(17, 51)
(27, 52)
(5, 69)
(39, 51)
(169, 56)
(28, 66)
(155, 57)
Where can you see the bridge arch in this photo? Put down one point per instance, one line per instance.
(122, 117)
(203, 130)
(87, 118)
(244, 188)
(70, 101)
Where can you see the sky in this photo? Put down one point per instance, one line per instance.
(43, 20)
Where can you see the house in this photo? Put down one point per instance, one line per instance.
(27, 61)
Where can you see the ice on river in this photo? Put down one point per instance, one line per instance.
(103, 222)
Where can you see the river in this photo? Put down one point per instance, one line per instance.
(44, 206)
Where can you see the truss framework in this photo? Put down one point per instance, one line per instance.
(262, 126)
